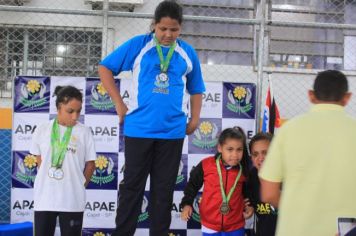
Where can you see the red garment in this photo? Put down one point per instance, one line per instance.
(211, 199)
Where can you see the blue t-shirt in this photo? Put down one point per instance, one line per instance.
(157, 107)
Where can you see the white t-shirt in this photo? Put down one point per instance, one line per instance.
(67, 194)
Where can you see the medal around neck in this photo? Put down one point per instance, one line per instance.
(51, 172)
(225, 208)
(162, 77)
(59, 149)
(58, 174)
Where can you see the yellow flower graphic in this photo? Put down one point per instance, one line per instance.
(101, 162)
(239, 92)
(33, 86)
(99, 234)
(171, 234)
(205, 127)
(101, 89)
(30, 161)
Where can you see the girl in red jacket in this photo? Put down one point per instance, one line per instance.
(224, 176)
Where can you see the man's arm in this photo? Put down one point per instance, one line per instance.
(270, 192)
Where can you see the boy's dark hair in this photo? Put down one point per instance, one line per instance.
(258, 137)
(237, 133)
(330, 86)
(66, 93)
(168, 8)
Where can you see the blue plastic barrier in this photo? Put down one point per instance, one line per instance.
(19, 229)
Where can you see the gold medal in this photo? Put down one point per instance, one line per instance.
(224, 208)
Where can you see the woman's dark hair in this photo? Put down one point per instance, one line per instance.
(239, 134)
(168, 8)
(330, 86)
(67, 93)
(258, 137)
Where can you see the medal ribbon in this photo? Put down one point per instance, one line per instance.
(164, 63)
(59, 147)
(226, 199)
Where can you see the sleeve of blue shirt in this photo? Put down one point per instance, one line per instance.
(195, 83)
(123, 57)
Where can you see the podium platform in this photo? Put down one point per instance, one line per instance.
(18, 229)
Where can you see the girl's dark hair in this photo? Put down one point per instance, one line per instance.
(239, 134)
(67, 93)
(168, 8)
(258, 137)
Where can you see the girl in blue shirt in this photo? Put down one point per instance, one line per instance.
(166, 75)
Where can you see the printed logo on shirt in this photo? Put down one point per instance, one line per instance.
(100, 98)
(205, 137)
(103, 172)
(265, 209)
(32, 94)
(239, 100)
(99, 234)
(162, 84)
(26, 169)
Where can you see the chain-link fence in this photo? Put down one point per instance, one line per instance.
(301, 37)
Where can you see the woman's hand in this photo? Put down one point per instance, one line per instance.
(186, 213)
(191, 126)
(121, 110)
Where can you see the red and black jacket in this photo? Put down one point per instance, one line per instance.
(206, 173)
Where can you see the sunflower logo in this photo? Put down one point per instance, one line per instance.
(99, 98)
(26, 169)
(99, 234)
(30, 161)
(33, 93)
(33, 86)
(239, 100)
(239, 92)
(205, 135)
(101, 162)
(101, 90)
(205, 127)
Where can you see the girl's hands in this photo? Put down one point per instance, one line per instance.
(186, 213)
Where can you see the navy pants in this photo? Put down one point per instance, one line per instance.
(70, 223)
(160, 159)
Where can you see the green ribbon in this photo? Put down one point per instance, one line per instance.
(225, 198)
(59, 147)
(164, 63)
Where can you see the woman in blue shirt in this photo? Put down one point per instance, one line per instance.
(166, 74)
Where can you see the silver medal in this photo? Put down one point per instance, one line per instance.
(51, 172)
(163, 77)
(58, 174)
